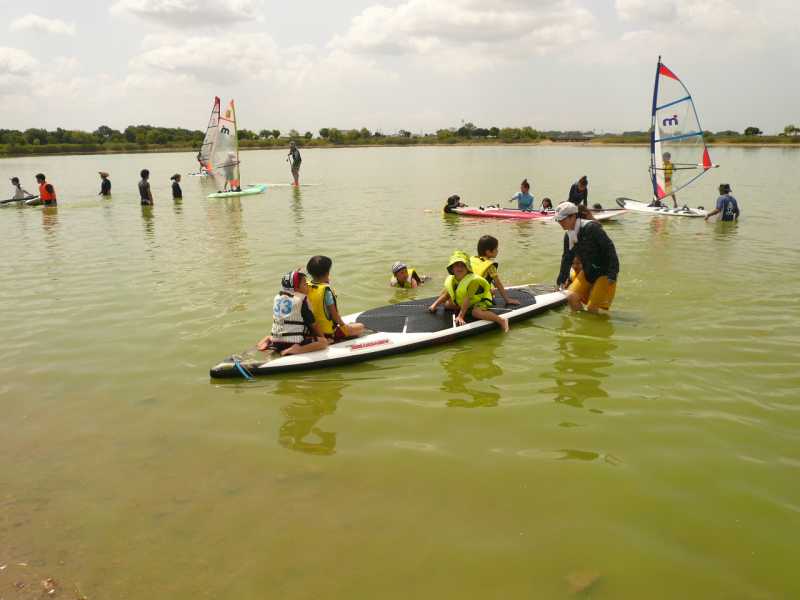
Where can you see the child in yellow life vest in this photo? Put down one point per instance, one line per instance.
(406, 277)
(323, 302)
(294, 330)
(484, 265)
(464, 291)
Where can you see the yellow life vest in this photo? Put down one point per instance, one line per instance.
(316, 300)
(458, 290)
(412, 274)
(480, 265)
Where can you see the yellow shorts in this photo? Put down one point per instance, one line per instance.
(599, 294)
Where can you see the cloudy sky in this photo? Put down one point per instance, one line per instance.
(391, 64)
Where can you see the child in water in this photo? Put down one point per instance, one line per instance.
(294, 330)
(324, 304)
(466, 292)
(406, 277)
(177, 192)
(484, 265)
(453, 201)
(547, 204)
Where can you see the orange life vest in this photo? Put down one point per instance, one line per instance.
(44, 195)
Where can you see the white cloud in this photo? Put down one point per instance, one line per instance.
(474, 30)
(194, 13)
(31, 22)
(16, 68)
(646, 11)
(231, 57)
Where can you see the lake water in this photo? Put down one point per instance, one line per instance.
(651, 454)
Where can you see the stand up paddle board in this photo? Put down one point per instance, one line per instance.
(681, 211)
(13, 200)
(496, 212)
(392, 329)
(258, 188)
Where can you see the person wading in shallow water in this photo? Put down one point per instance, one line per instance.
(596, 283)
(294, 159)
(726, 204)
(579, 192)
(105, 184)
(145, 195)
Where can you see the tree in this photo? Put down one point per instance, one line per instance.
(324, 132)
(753, 131)
(276, 133)
(308, 135)
(265, 133)
(104, 133)
(365, 133)
(294, 134)
(791, 130)
(404, 133)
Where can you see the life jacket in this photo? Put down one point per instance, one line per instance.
(668, 170)
(316, 300)
(457, 290)
(44, 195)
(480, 265)
(287, 318)
(412, 274)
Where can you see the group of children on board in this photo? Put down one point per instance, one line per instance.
(305, 312)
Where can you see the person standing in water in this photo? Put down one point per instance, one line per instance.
(145, 194)
(105, 184)
(726, 204)
(579, 192)
(177, 192)
(294, 159)
(47, 193)
(523, 197)
(596, 283)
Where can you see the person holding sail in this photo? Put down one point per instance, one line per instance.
(668, 167)
(229, 169)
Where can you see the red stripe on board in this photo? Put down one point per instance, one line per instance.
(667, 73)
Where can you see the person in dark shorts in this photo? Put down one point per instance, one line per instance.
(105, 184)
(294, 159)
(145, 195)
(177, 192)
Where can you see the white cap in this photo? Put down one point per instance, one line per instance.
(564, 210)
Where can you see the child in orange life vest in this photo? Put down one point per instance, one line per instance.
(464, 291)
(485, 265)
(323, 302)
(293, 328)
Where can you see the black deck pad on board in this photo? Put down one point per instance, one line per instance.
(414, 317)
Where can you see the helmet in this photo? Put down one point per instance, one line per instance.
(291, 281)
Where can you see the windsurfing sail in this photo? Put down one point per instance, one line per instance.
(678, 153)
(225, 152)
(204, 156)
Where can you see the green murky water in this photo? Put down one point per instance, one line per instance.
(652, 454)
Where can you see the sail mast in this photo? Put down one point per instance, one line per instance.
(653, 169)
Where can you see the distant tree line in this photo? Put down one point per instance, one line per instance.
(147, 137)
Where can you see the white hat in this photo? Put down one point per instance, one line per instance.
(564, 210)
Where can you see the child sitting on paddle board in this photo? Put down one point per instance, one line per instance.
(466, 292)
(484, 265)
(323, 302)
(406, 277)
(19, 193)
(523, 197)
(294, 330)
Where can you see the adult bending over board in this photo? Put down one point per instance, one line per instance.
(579, 192)
(596, 284)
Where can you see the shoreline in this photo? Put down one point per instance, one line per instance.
(329, 146)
